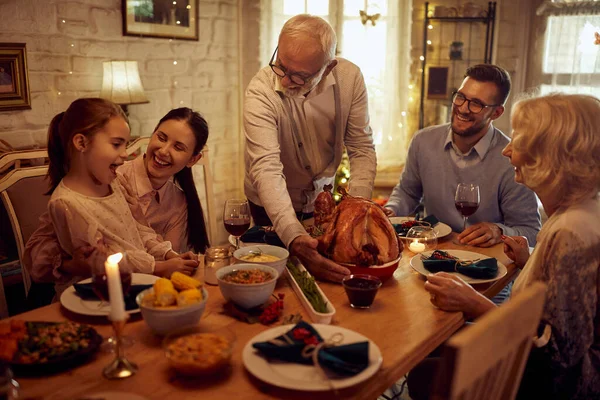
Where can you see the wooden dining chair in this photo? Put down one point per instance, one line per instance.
(209, 210)
(22, 192)
(486, 360)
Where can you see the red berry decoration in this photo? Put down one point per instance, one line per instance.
(273, 311)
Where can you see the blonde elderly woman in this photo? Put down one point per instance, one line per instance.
(555, 150)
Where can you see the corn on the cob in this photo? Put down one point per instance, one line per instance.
(165, 293)
(183, 282)
(189, 296)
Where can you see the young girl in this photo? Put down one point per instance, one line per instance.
(86, 144)
(155, 199)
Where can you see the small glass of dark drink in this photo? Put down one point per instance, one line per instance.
(100, 283)
(100, 287)
(361, 289)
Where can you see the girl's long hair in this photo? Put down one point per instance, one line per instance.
(85, 116)
(196, 226)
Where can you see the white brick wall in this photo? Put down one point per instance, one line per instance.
(67, 57)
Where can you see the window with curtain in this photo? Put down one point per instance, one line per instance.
(378, 42)
(571, 52)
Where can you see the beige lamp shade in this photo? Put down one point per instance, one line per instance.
(121, 83)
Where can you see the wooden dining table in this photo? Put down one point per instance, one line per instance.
(402, 322)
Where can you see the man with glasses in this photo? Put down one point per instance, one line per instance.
(469, 150)
(299, 114)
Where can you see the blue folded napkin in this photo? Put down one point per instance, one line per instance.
(257, 234)
(432, 219)
(86, 291)
(403, 228)
(482, 269)
(346, 360)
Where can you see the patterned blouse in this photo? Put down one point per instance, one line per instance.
(567, 259)
(82, 221)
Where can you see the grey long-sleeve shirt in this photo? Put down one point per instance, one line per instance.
(431, 176)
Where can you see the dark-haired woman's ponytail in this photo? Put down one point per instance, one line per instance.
(197, 235)
(56, 153)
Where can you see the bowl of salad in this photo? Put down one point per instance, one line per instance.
(247, 285)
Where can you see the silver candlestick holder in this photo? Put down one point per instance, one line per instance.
(120, 367)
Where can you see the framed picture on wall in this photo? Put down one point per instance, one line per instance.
(172, 19)
(437, 87)
(14, 83)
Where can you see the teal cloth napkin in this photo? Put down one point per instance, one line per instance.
(346, 360)
(482, 269)
(402, 229)
(257, 234)
(86, 291)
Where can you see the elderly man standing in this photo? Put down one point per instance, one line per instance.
(469, 150)
(299, 113)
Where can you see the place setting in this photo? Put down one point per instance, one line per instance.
(309, 357)
(90, 296)
(473, 268)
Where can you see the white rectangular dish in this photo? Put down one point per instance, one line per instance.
(315, 316)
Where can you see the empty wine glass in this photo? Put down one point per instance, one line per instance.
(466, 200)
(236, 218)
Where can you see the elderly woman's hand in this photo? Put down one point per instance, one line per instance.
(450, 293)
(517, 249)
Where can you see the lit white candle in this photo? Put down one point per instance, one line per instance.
(416, 247)
(115, 291)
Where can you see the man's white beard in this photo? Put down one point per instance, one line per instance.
(303, 90)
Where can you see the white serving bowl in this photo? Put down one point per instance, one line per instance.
(247, 295)
(164, 320)
(276, 251)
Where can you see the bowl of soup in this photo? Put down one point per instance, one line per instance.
(272, 256)
(247, 285)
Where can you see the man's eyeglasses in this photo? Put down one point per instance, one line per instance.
(475, 106)
(279, 71)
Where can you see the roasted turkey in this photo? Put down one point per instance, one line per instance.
(358, 232)
(324, 207)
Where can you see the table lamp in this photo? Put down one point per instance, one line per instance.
(121, 84)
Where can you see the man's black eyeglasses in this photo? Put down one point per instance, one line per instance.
(475, 106)
(279, 71)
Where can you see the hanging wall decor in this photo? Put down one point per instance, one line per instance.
(14, 83)
(173, 19)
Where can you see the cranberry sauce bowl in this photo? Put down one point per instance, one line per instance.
(361, 289)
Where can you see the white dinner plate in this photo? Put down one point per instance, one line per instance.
(306, 377)
(440, 229)
(72, 302)
(418, 266)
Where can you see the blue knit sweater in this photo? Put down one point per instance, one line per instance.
(431, 176)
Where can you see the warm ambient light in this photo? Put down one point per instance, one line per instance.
(121, 83)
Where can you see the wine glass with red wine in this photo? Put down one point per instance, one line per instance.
(466, 200)
(236, 218)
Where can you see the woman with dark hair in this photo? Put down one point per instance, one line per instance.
(174, 148)
(159, 188)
